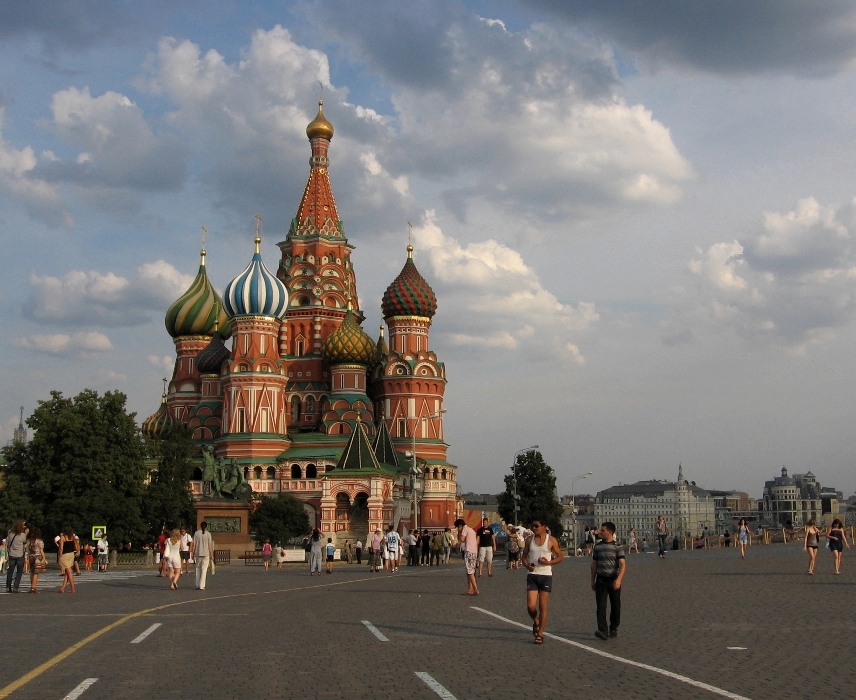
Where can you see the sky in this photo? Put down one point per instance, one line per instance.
(639, 218)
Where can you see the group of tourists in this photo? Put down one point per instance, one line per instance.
(178, 548)
(836, 541)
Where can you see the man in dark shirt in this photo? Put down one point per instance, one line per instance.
(608, 564)
(487, 546)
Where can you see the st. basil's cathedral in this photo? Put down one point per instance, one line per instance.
(305, 402)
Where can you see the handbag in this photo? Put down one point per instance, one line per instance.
(41, 564)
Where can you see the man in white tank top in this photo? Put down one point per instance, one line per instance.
(540, 554)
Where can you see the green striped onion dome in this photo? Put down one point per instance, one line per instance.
(409, 294)
(157, 424)
(199, 310)
(349, 344)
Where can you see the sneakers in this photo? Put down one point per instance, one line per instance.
(600, 634)
(613, 633)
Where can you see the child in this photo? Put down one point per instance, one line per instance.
(608, 565)
(331, 552)
(87, 557)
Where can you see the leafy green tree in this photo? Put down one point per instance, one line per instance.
(279, 519)
(167, 502)
(83, 467)
(536, 488)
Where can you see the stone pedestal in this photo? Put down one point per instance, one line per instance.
(228, 523)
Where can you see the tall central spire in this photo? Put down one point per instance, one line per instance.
(317, 213)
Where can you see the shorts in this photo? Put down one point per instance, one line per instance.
(185, 556)
(470, 559)
(539, 582)
(390, 554)
(330, 557)
(485, 554)
(744, 539)
(514, 556)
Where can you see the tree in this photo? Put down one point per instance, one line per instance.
(279, 519)
(83, 467)
(167, 502)
(536, 487)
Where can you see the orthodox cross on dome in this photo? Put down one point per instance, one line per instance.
(258, 238)
(202, 252)
(164, 385)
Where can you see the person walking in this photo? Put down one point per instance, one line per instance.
(36, 555)
(837, 541)
(540, 554)
(743, 536)
(315, 552)
(512, 546)
(278, 555)
(436, 548)
(186, 541)
(15, 553)
(172, 554)
(330, 551)
(608, 564)
(662, 534)
(267, 553)
(349, 552)
(2, 556)
(374, 551)
(88, 558)
(393, 547)
(469, 548)
(162, 538)
(425, 544)
(487, 546)
(812, 539)
(447, 545)
(68, 546)
(203, 553)
(358, 550)
(103, 547)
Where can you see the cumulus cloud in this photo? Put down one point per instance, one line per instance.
(498, 301)
(85, 345)
(105, 299)
(118, 149)
(792, 281)
(163, 363)
(726, 36)
(18, 180)
(528, 121)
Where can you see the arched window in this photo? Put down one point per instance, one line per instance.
(436, 473)
(295, 409)
(271, 473)
(197, 475)
(246, 472)
(296, 472)
(311, 471)
(257, 473)
(443, 474)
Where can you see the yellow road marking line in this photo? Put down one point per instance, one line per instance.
(50, 663)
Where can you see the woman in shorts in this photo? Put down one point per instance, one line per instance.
(172, 554)
(812, 537)
(513, 547)
(837, 542)
(632, 542)
(743, 536)
(540, 555)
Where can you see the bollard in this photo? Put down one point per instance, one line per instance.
(150, 557)
(114, 557)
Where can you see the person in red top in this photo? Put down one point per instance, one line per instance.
(467, 538)
(162, 547)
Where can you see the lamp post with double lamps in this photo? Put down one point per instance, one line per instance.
(415, 472)
(574, 509)
(514, 473)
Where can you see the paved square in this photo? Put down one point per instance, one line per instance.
(760, 628)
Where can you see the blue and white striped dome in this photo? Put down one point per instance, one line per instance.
(256, 291)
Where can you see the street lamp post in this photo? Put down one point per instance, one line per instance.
(414, 470)
(574, 509)
(514, 472)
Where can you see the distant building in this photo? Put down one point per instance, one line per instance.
(731, 506)
(687, 508)
(794, 500)
(19, 437)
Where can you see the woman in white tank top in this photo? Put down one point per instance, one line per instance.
(540, 555)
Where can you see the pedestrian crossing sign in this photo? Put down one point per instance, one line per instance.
(98, 531)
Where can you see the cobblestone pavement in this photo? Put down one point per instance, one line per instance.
(284, 634)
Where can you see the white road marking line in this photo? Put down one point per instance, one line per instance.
(375, 631)
(137, 640)
(637, 664)
(435, 686)
(737, 648)
(79, 690)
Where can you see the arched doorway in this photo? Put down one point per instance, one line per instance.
(359, 520)
(343, 507)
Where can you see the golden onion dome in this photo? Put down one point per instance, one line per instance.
(320, 127)
(159, 423)
(349, 344)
